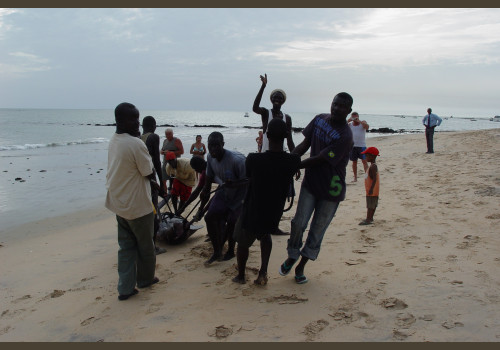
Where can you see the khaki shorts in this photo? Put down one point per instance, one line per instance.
(371, 202)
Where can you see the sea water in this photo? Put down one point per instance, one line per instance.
(53, 161)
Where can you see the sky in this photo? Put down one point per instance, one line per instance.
(392, 61)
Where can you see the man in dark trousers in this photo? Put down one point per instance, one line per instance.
(225, 208)
(152, 142)
(270, 174)
(128, 178)
(430, 122)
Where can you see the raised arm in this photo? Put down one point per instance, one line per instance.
(256, 104)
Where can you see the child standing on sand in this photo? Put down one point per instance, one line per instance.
(372, 184)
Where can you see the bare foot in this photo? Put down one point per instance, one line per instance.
(261, 280)
(238, 279)
(212, 259)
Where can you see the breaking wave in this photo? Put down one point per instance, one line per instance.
(52, 144)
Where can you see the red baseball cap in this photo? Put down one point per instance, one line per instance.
(371, 150)
(169, 156)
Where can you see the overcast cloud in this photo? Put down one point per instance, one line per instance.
(392, 61)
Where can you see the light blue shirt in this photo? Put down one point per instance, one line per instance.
(435, 120)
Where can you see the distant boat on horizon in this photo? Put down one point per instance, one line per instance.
(246, 115)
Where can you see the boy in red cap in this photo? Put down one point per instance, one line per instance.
(372, 184)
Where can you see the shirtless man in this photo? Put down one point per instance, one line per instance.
(278, 98)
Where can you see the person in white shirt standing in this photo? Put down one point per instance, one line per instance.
(430, 122)
(358, 129)
(128, 179)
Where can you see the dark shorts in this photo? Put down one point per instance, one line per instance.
(355, 153)
(371, 202)
(245, 238)
(181, 190)
(219, 209)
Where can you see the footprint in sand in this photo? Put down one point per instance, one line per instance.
(364, 320)
(470, 241)
(24, 297)
(342, 315)
(153, 308)
(405, 320)
(286, 299)
(351, 262)
(88, 321)
(5, 330)
(312, 329)
(401, 335)
(221, 332)
(451, 324)
(393, 304)
(493, 217)
(55, 294)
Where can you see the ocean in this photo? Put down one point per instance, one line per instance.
(53, 161)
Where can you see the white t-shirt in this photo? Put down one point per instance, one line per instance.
(129, 191)
(358, 135)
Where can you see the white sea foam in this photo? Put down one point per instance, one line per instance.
(52, 144)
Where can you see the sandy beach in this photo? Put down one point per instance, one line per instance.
(427, 270)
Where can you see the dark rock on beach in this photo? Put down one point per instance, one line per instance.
(383, 130)
(294, 129)
(208, 126)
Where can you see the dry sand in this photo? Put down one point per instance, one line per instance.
(427, 270)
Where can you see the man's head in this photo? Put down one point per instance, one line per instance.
(276, 133)
(149, 124)
(355, 118)
(216, 145)
(429, 110)
(198, 164)
(341, 106)
(127, 119)
(276, 130)
(169, 134)
(278, 97)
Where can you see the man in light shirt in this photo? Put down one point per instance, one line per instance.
(128, 179)
(430, 122)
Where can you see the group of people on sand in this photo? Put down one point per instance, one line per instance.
(248, 203)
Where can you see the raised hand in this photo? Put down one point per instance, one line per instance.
(264, 79)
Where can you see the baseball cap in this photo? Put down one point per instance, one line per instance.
(169, 155)
(371, 150)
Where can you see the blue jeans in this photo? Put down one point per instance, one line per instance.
(324, 211)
